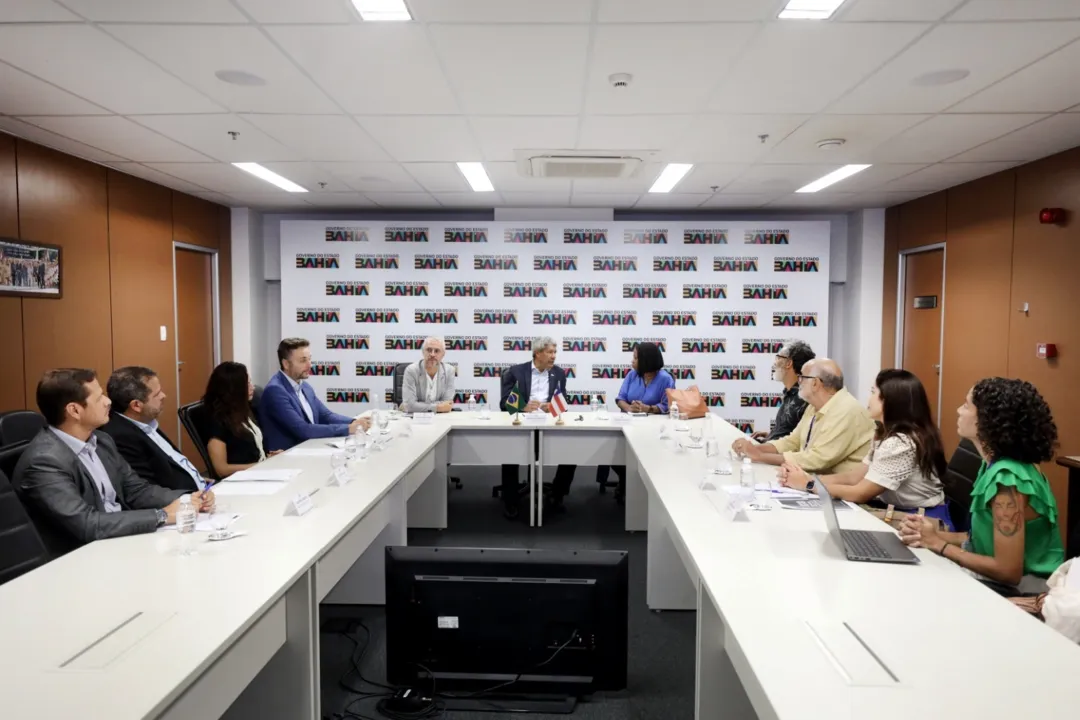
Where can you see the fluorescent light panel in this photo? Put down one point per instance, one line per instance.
(832, 178)
(476, 175)
(810, 9)
(270, 176)
(670, 177)
(382, 10)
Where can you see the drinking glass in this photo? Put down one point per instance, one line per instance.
(696, 432)
(712, 456)
(351, 446)
(339, 460)
(220, 518)
(682, 423)
(384, 423)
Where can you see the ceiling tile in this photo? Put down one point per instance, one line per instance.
(886, 199)
(945, 175)
(469, 199)
(57, 142)
(499, 137)
(19, 11)
(217, 177)
(875, 177)
(1019, 10)
(801, 67)
(286, 90)
(738, 200)
(341, 200)
(504, 176)
(508, 69)
(706, 176)
(989, 51)
(291, 11)
(891, 10)
(209, 134)
(403, 200)
(320, 137)
(270, 200)
(1046, 137)
(309, 175)
(695, 11)
(119, 136)
(632, 132)
(675, 68)
(157, 11)
(639, 183)
(384, 177)
(219, 198)
(862, 132)
(734, 138)
(26, 95)
(814, 200)
(672, 200)
(438, 177)
(943, 136)
(1051, 85)
(156, 176)
(604, 200)
(118, 78)
(372, 68)
(536, 199)
(777, 179)
(411, 138)
(501, 11)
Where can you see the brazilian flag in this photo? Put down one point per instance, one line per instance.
(516, 400)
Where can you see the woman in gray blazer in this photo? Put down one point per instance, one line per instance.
(428, 385)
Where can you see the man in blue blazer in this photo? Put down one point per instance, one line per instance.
(289, 411)
(538, 380)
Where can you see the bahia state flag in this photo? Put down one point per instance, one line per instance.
(558, 404)
(516, 400)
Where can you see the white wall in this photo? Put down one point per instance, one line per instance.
(860, 302)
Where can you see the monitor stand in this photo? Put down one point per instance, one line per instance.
(550, 704)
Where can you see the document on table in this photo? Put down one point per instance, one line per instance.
(239, 489)
(257, 474)
(311, 452)
(809, 503)
(203, 523)
(773, 491)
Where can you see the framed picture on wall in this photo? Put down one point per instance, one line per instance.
(29, 269)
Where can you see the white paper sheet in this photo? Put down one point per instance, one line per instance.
(238, 489)
(202, 524)
(258, 474)
(311, 452)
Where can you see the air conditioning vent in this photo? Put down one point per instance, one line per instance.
(576, 166)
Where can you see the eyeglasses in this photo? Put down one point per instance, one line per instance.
(807, 377)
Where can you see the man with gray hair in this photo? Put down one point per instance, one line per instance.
(786, 368)
(428, 385)
(538, 381)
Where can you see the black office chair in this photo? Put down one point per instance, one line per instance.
(959, 480)
(19, 426)
(21, 547)
(194, 418)
(399, 382)
(256, 397)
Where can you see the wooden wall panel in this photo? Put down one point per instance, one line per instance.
(889, 287)
(195, 221)
(140, 257)
(62, 200)
(922, 221)
(225, 280)
(13, 385)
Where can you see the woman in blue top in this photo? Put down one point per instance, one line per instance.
(643, 391)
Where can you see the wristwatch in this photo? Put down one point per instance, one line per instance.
(162, 517)
(811, 483)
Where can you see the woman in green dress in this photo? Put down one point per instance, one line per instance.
(1014, 519)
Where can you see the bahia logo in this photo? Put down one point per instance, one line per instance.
(407, 289)
(383, 369)
(682, 372)
(319, 261)
(704, 345)
(698, 236)
(733, 372)
(628, 344)
(554, 317)
(495, 317)
(463, 342)
(797, 264)
(582, 398)
(348, 395)
(584, 236)
(438, 317)
(713, 399)
(347, 234)
(377, 316)
(318, 315)
(404, 342)
(610, 372)
(612, 263)
(526, 290)
(765, 292)
(525, 235)
(554, 262)
(761, 400)
(376, 262)
(470, 289)
(584, 290)
(465, 235)
(794, 320)
(355, 288)
(489, 371)
(687, 318)
(348, 342)
(407, 234)
(325, 368)
(735, 264)
(614, 317)
(495, 262)
(757, 346)
(653, 291)
(743, 426)
(675, 264)
(517, 344)
(461, 397)
(570, 370)
(704, 292)
(645, 237)
(584, 344)
(435, 262)
(765, 237)
(734, 319)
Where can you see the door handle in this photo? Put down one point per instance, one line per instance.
(937, 369)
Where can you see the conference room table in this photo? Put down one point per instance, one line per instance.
(786, 626)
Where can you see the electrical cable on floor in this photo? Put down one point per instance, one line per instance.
(508, 683)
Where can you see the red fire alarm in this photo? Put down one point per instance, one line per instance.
(1045, 350)
(1052, 216)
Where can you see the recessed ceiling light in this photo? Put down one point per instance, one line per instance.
(476, 175)
(382, 10)
(239, 77)
(269, 176)
(832, 178)
(670, 177)
(810, 9)
(831, 143)
(941, 77)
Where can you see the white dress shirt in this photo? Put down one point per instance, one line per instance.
(303, 400)
(540, 390)
(87, 454)
(432, 396)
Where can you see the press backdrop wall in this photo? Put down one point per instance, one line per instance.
(719, 298)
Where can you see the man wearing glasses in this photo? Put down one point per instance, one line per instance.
(786, 368)
(834, 434)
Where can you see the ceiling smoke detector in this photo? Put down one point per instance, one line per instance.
(620, 80)
(831, 143)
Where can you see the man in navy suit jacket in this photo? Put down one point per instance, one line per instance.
(289, 411)
(538, 380)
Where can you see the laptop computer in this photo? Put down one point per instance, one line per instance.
(864, 545)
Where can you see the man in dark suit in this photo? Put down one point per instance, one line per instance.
(73, 480)
(137, 400)
(289, 411)
(538, 380)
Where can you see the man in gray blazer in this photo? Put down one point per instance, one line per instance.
(72, 479)
(428, 385)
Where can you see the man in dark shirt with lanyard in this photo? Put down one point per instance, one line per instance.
(786, 368)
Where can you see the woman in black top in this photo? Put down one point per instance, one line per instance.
(235, 442)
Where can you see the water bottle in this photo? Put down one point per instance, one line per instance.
(746, 475)
(594, 405)
(673, 411)
(472, 404)
(185, 525)
(484, 412)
